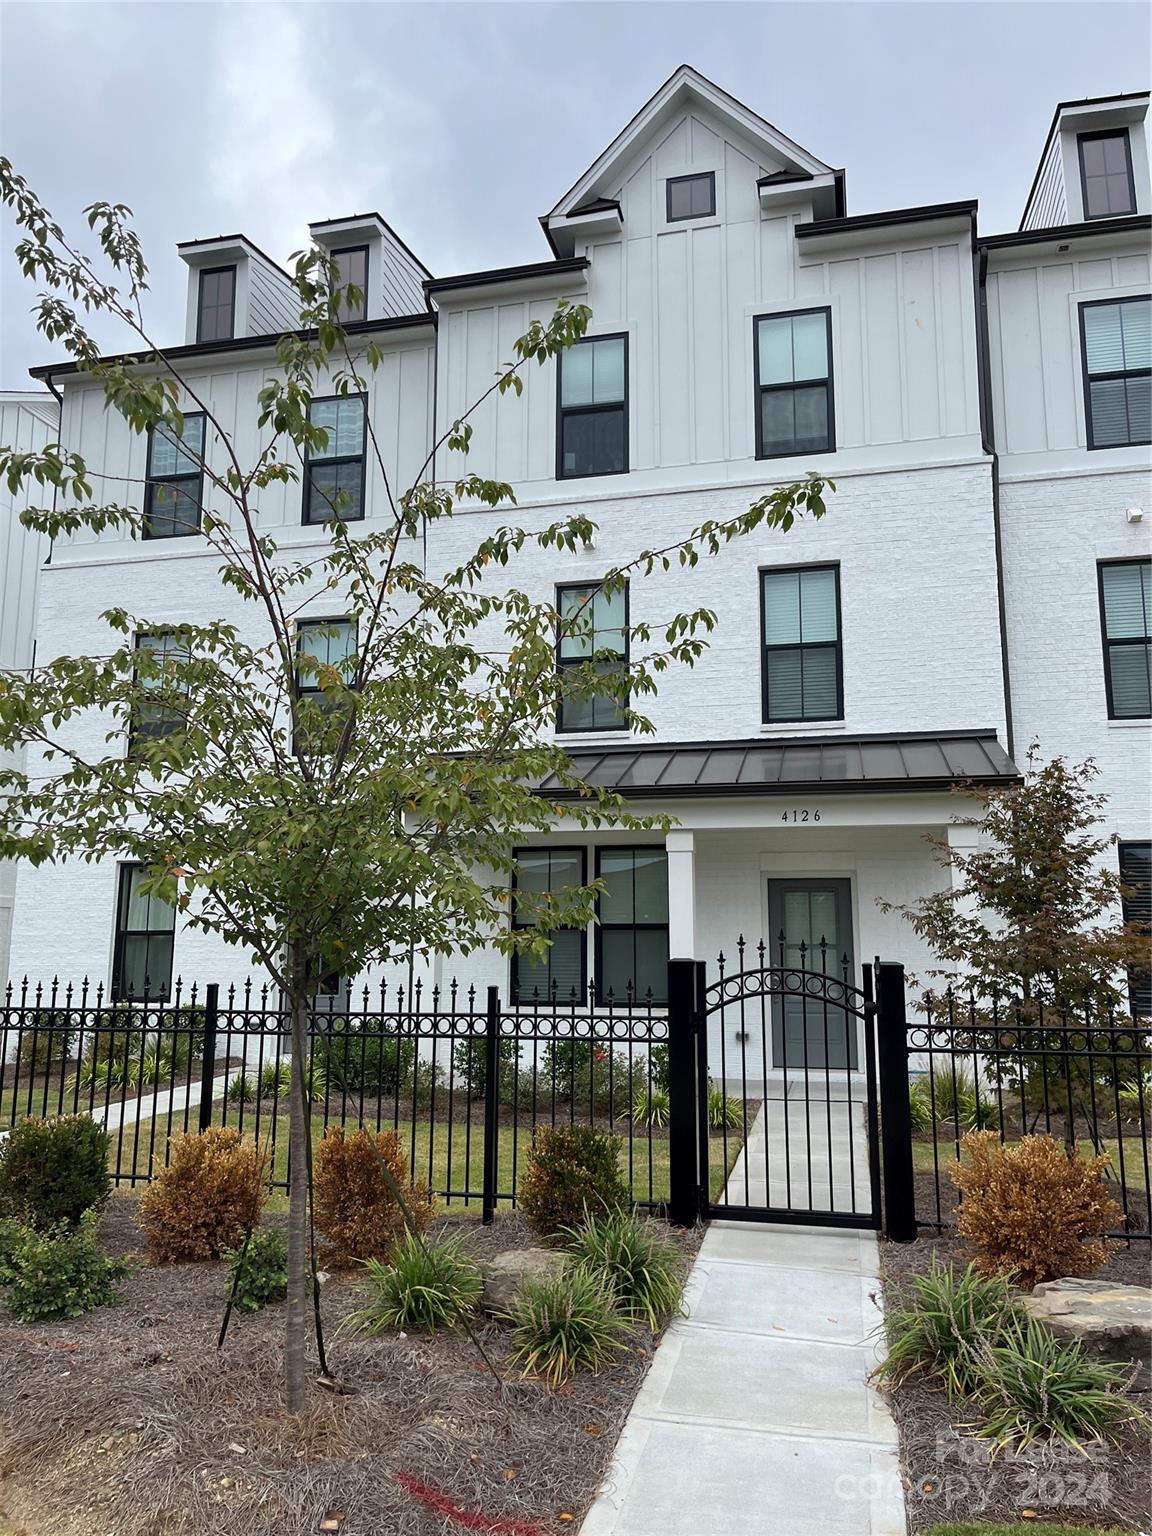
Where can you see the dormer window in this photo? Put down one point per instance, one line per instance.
(217, 313)
(1106, 174)
(352, 265)
(691, 197)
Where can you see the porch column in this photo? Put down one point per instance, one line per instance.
(963, 839)
(681, 850)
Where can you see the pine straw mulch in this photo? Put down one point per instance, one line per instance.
(949, 1474)
(127, 1421)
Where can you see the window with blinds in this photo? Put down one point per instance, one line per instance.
(593, 629)
(1116, 347)
(1125, 611)
(1106, 175)
(560, 973)
(632, 926)
(794, 384)
(334, 472)
(1136, 878)
(802, 662)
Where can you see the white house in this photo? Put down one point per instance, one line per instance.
(981, 578)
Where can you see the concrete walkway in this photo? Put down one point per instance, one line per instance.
(756, 1418)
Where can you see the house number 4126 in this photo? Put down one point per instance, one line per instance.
(800, 816)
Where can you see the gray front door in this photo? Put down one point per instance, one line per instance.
(812, 1032)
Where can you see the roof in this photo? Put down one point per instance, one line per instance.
(929, 213)
(564, 267)
(831, 765)
(1125, 224)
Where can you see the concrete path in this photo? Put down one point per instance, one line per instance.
(805, 1153)
(756, 1418)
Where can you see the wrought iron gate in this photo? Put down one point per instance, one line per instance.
(786, 1079)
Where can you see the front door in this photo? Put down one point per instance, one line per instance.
(815, 918)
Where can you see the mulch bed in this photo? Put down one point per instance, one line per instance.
(949, 1474)
(129, 1421)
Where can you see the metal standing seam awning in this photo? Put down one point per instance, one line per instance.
(827, 765)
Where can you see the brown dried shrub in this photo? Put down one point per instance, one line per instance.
(207, 1199)
(356, 1209)
(1032, 1211)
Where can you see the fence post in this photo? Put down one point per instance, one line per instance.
(491, 1106)
(208, 1060)
(683, 1148)
(895, 1106)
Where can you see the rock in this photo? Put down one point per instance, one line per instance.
(504, 1275)
(1114, 1322)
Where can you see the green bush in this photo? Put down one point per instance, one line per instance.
(633, 1260)
(59, 1272)
(1135, 1098)
(470, 1064)
(135, 1059)
(938, 1330)
(260, 1272)
(724, 1112)
(570, 1169)
(352, 1059)
(652, 1109)
(591, 1076)
(53, 1170)
(426, 1286)
(564, 1325)
(46, 1040)
(658, 1066)
(1034, 1386)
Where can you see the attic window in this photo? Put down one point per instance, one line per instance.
(352, 265)
(217, 316)
(691, 197)
(1106, 174)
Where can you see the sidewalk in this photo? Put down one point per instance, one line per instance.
(756, 1418)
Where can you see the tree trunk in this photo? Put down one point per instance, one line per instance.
(296, 1318)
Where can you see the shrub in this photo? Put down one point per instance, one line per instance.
(1038, 1387)
(1135, 1098)
(132, 1059)
(1032, 1211)
(724, 1112)
(652, 1108)
(658, 1066)
(356, 1208)
(259, 1273)
(53, 1170)
(564, 1325)
(58, 1271)
(570, 1168)
(46, 1039)
(937, 1330)
(635, 1263)
(590, 1076)
(353, 1058)
(470, 1064)
(425, 1286)
(241, 1090)
(206, 1200)
(920, 1105)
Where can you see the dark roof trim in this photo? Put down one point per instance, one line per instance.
(187, 245)
(596, 205)
(237, 344)
(354, 218)
(781, 178)
(561, 268)
(929, 213)
(1066, 106)
(1128, 224)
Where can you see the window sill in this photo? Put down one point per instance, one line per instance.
(802, 727)
(1144, 721)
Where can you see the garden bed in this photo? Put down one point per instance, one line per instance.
(129, 1420)
(951, 1475)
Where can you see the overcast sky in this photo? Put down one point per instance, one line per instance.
(462, 123)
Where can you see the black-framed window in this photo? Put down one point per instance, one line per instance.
(334, 474)
(154, 715)
(691, 197)
(1126, 623)
(592, 408)
(794, 398)
(1116, 350)
(1106, 179)
(1136, 876)
(632, 925)
(802, 654)
(562, 972)
(352, 265)
(142, 952)
(593, 628)
(216, 316)
(175, 480)
(329, 646)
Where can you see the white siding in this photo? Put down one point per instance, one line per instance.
(273, 304)
(1047, 205)
(401, 279)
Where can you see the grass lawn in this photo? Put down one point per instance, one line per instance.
(1024, 1528)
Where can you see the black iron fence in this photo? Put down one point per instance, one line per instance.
(463, 1079)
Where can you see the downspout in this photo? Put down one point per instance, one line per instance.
(59, 433)
(988, 443)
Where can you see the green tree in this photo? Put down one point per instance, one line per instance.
(371, 815)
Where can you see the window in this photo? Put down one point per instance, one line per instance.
(142, 955)
(1125, 612)
(329, 646)
(794, 384)
(154, 715)
(334, 474)
(691, 197)
(1106, 174)
(1116, 346)
(1136, 875)
(632, 933)
(352, 264)
(217, 317)
(592, 400)
(802, 656)
(593, 623)
(175, 485)
(561, 972)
